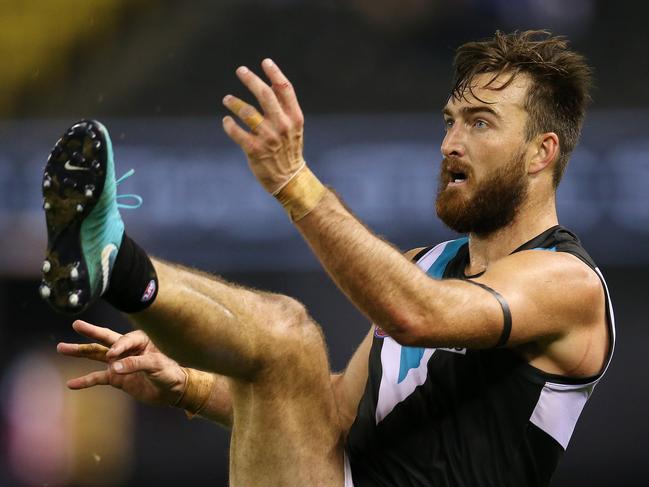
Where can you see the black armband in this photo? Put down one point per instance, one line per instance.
(507, 314)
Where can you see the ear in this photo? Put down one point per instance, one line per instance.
(546, 152)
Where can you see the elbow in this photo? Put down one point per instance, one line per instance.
(425, 327)
(410, 336)
(408, 329)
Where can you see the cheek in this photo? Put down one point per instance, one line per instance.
(483, 160)
(484, 144)
(493, 153)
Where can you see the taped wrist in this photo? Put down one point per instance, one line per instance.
(300, 194)
(198, 388)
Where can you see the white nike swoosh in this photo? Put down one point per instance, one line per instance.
(105, 265)
(71, 167)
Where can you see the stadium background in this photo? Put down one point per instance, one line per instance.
(371, 76)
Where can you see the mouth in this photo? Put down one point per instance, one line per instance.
(456, 178)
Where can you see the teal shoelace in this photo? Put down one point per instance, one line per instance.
(133, 197)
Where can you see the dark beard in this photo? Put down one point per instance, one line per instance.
(493, 205)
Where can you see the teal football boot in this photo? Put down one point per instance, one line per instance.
(84, 226)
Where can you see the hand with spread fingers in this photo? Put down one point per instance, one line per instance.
(274, 144)
(134, 365)
(275, 141)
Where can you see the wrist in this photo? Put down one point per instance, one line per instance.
(301, 193)
(197, 390)
(178, 390)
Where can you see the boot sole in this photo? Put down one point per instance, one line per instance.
(73, 181)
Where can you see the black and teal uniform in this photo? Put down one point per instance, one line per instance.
(461, 417)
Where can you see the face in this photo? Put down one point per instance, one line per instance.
(483, 177)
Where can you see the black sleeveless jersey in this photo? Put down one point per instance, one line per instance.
(461, 417)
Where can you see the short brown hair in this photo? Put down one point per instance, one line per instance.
(561, 81)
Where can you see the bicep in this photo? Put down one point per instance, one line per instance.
(546, 295)
(349, 385)
(549, 295)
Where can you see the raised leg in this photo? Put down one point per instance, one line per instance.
(286, 429)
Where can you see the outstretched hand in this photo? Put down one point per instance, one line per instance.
(275, 142)
(134, 365)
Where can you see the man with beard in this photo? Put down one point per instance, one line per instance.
(483, 351)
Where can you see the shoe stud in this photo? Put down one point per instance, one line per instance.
(44, 291)
(47, 205)
(78, 158)
(88, 193)
(73, 299)
(90, 132)
(76, 129)
(96, 165)
(79, 208)
(47, 183)
(96, 145)
(46, 266)
(69, 182)
(74, 273)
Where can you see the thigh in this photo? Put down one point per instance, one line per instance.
(286, 428)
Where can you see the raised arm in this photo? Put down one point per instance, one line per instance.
(418, 310)
(413, 308)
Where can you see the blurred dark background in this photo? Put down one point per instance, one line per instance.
(372, 76)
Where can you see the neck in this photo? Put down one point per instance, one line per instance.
(531, 220)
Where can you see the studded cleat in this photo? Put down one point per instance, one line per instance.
(84, 227)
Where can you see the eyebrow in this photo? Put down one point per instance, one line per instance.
(472, 110)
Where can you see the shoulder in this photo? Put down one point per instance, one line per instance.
(556, 281)
(412, 253)
(554, 266)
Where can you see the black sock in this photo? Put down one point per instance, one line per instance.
(133, 283)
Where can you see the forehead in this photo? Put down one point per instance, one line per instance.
(484, 91)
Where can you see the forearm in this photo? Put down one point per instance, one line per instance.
(380, 281)
(389, 289)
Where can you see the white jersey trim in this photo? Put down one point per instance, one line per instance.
(558, 409)
(429, 258)
(611, 317)
(349, 482)
(391, 391)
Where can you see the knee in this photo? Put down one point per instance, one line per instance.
(292, 331)
(288, 317)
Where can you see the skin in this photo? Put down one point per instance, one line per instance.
(274, 388)
(284, 417)
(274, 380)
(566, 334)
(146, 374)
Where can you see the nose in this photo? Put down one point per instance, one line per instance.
(453, 143)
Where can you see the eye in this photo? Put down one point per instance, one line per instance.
(448, 123)
(480, 124)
